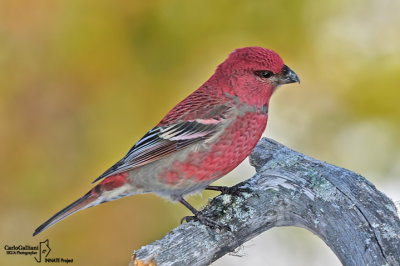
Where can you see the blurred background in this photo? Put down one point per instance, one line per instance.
(81, 81)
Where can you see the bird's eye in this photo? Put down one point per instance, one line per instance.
(264, 74)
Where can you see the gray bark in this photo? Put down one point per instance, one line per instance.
(359, 223)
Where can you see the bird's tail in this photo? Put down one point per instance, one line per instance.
(109, 189)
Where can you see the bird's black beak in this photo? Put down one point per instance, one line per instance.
(288, 76)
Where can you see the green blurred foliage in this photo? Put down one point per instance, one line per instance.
(81, 81)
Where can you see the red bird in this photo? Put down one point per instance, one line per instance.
(200, 140)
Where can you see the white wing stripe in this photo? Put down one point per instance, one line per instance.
(207, 121)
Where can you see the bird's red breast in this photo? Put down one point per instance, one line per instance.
(232, 147)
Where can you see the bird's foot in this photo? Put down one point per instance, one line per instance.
(229, 190)
(198, 216)
(205, 220)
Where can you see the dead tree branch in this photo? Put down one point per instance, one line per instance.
(358, 222)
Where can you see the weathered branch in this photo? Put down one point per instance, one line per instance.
(358, 222)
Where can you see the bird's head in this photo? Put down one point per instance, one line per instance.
(253, 74)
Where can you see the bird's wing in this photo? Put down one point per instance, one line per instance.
(163, 140)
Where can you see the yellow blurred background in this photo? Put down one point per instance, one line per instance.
(82, 80)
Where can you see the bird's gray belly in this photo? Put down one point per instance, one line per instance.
(155, 177)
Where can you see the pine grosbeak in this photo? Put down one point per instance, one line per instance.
(200, 140)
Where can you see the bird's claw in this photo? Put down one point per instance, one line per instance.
(235, 190)
(205, 220)
(188, 219)
(229, 190)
